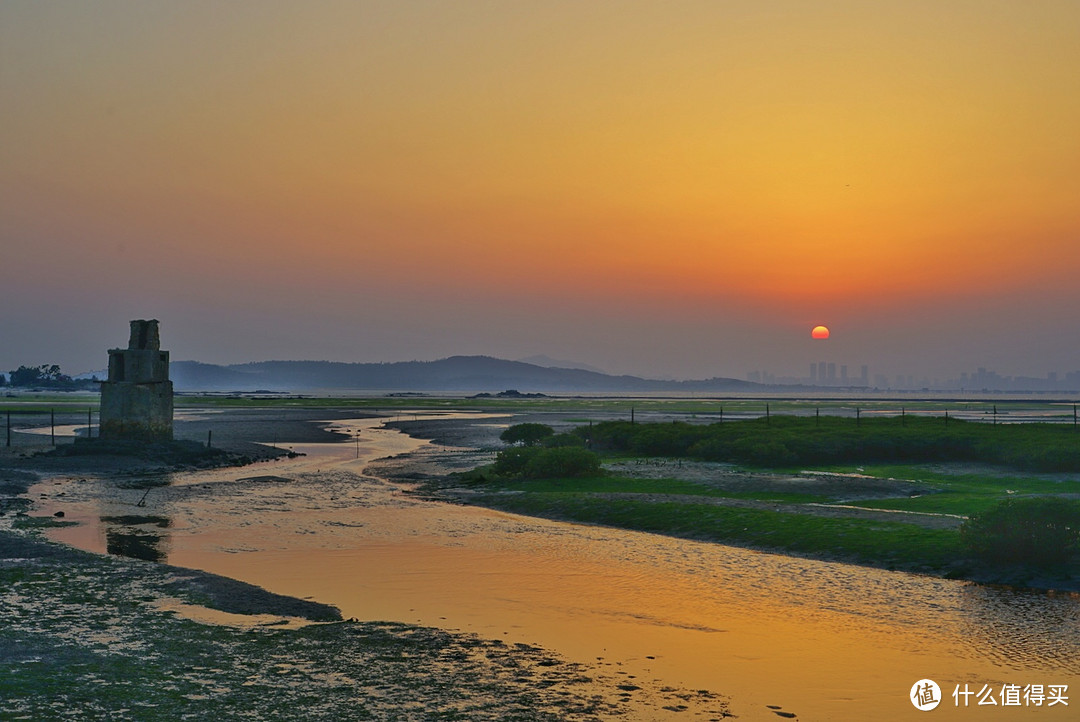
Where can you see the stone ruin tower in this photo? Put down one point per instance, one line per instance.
(137, 400)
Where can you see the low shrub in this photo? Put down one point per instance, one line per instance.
(527, 434)
(1035, 531)
(561, 463)
(512, 461)
(561, 440)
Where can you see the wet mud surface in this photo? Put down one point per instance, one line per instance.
(89, 636)
(92, 637)
(647, 627)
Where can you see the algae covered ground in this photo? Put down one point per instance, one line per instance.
(85, 636)
(91, 637)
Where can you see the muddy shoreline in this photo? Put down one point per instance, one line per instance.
(87, 636)
(83, 634)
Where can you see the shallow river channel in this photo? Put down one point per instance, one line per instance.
(824, 641)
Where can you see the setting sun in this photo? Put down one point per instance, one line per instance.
(819, 332)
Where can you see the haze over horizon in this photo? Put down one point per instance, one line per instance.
(672, 190)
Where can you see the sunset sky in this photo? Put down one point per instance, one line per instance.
(676, 189)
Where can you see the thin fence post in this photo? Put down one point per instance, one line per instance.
(52, 426)
(995, 414)
(768, 418)
(722, 413)
(858, 416)
(209, 437)
(631, 414)
(903, 416)
(817, 416)
(9, 427)
(946, 417)
(1074, 416)
(89, 423)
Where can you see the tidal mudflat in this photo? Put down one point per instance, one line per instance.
(90, 635)
(664, 627)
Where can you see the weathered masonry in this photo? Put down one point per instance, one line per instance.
(137, 400)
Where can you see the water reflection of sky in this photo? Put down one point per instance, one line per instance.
(1022, 630)
(314, 526)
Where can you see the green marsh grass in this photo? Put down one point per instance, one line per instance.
(784, 441)
(996, 462)
(858, 540)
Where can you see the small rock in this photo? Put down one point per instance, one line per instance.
(59, 514)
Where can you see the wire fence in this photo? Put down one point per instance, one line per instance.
(40, 426)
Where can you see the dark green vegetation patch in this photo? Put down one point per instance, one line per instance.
(1042, 532)
(780, 441)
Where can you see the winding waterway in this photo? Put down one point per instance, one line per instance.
(825, 641)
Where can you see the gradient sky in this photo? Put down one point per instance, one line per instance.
(673, 189)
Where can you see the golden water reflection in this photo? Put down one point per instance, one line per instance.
(825, 640)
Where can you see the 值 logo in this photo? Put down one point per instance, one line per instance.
(925, 695)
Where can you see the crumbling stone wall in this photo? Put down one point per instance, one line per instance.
(137, 399)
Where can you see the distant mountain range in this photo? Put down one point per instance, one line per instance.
(555, 363)
(472, 374)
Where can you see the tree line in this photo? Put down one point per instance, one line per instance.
(46, 376)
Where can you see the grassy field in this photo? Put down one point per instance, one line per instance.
(835, 515)
(964, 493)
(800, 440)
(881, 543)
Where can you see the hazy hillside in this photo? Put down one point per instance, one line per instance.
(196, 376)
(457, 373)
(548, 362)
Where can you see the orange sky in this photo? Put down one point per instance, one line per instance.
(441, 168)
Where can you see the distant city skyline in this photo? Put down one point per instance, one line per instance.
(981, 379)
